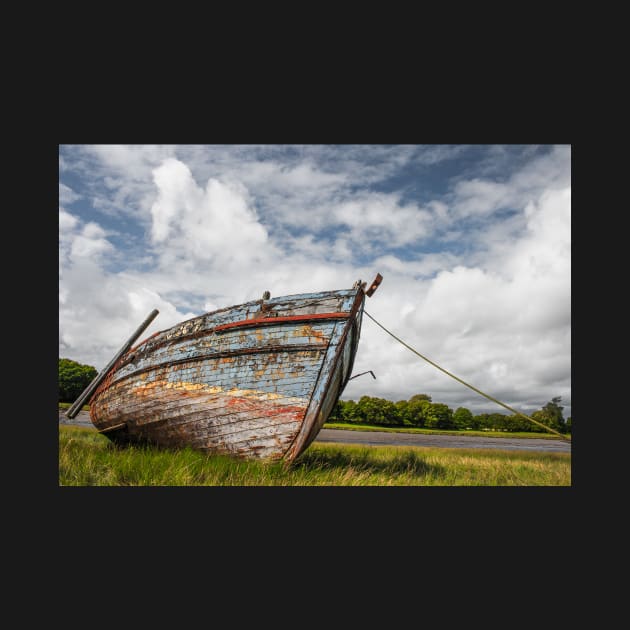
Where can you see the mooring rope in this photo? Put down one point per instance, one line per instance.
(544, 426)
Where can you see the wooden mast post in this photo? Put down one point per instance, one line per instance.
(89, 390)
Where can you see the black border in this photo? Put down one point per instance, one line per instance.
(456, 109)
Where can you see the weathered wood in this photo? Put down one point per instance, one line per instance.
(374, 285)
(255, 380)
(78, 403)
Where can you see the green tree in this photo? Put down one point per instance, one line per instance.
(463, 418)
(542, 418)
(74, 377)
(417, 410)
(412, 412)
(438, 416)
(349, 411)
(373, 410)
(499, 421)
(553, 410)
(551, 414)
(474, 423)
(401, 410)
(481, 421)
(517, 423)
(336, 413)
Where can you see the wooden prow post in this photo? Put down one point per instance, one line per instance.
(374, 285)
(89, 390)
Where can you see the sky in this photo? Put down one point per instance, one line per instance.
(473, 243)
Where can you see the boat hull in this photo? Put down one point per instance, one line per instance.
(256, 380)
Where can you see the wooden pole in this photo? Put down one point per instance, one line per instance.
(89, 390)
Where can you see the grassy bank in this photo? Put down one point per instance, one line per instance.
(87, 458)
(498, 434)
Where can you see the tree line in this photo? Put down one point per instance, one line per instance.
(418, 411)
(74, 377)
(421, 411)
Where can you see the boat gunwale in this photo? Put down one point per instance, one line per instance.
(270, 319)
(277, 301)
(243, 323)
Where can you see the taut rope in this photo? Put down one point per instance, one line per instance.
(564, 437)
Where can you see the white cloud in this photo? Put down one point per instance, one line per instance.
(303, 176)
(381, 216)
(97, 308)
(484, 295)
(132, 161)
(67, 222)
(67, 195)
(480, 197)
(490, 327)
(90, 244)
(198, 223)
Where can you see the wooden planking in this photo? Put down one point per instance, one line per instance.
(186, 421)
(270, 373)
(330, 385)
(197, 428)
(183, 393)
(223, 407)
(171, 402)
(254, 444)
(238, 430)
(232, 436)
(172, 399)
(338, 378)
(316, 335)
(318, 391)
(206, 370)
(313, 303)
(185, 387)
(199, 431)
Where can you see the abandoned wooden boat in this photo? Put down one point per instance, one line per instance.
(255, 380)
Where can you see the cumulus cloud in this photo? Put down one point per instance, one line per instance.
(97, 309)
(478, 197)
(476, 277)
(131, 161)
(90, 244)
(67, 222)
(481, 196)
(504, 328)
(201, 222)
(382, 216)
(67, 196)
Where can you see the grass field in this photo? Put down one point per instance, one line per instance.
(87, 458)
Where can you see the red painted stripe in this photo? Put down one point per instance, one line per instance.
(279, 320)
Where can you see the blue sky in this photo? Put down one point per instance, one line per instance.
(473, 242)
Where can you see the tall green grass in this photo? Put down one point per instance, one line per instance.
(87, 458)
